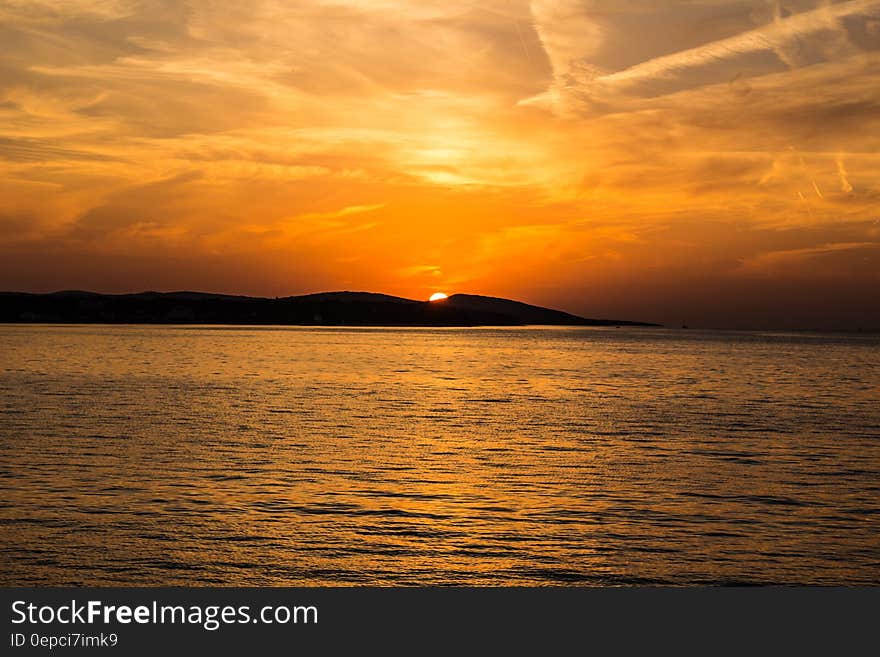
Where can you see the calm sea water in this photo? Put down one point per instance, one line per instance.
(287, 456)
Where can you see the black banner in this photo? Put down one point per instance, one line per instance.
(459, 620)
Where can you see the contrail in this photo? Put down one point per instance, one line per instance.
(773, 37)
(845, 186)
(522, 40)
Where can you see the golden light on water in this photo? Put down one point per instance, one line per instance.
(510, 457)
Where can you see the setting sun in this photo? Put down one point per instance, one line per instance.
(437, 296)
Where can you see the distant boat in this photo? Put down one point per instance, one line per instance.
(683, 325)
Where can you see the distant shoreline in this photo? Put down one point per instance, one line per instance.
(343, 309)
(777, 332)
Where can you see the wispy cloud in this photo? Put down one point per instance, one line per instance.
(826, 33)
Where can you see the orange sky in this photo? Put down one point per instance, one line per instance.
(714, 161)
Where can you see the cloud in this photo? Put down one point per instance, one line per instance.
(36, 150)
(419, 271)
(828, 260)
(826, 33)
(800, 39)
(343, 212)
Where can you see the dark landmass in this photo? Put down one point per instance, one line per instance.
(324, 309)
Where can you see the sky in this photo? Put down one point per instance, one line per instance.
(709, 161)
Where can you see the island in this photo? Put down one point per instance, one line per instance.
(322, 309)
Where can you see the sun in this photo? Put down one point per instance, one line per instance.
(437, 296)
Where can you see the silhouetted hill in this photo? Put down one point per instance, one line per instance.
(329, 308)
(358, 297)
(527, 314)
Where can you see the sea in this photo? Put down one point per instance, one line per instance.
(533, 456)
